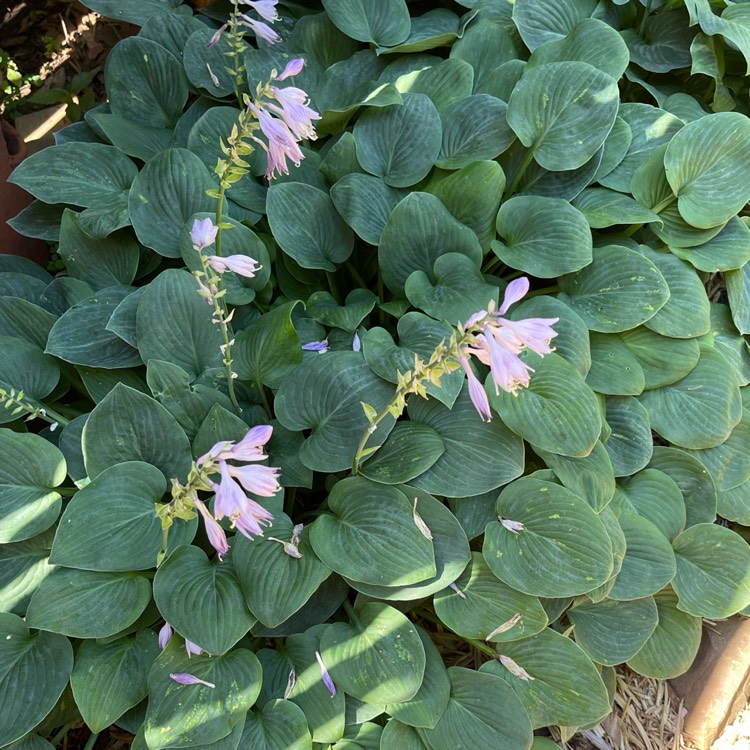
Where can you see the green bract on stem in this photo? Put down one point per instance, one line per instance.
(18, 405)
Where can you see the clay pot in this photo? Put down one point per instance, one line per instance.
(13, 199)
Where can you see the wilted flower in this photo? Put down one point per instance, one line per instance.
(189, 679)
(356, 343)
(203, 234)
(424, 529)
(239, 264)
(505, 626)
(512, 526)
(290, 683)
(327, 681)
(217, 35)
(454, 586)
(165, 635)
(316, 346)
(515, 669)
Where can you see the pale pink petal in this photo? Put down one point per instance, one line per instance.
(476, 392)
(293, 68)
(514, 292)
(260, 480)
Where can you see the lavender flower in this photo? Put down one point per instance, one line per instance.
(203, 234)
(281, 142)
(316, 346)
(189, 679)
(513, 526)
(327, 681)
(248, 449)
(165, 635)
(216, 535)
(260, 480)
(192, 648)
(260, 29)
(293, 68)
(247, 516)
(239, 264)
(294, 111)
(266, 9)
(497, 342)
(356, 343)
(217, 35)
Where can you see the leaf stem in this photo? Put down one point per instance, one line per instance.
(91, 741)
(355, 274)
(519, 173)
(59, 736)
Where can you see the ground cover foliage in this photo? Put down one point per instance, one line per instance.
(597, 148)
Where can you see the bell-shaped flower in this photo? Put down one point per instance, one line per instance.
(532, 333)
(281, 142)
(260, 29)
(266, 9)
(260, 480)
(239, 264)
(249, 448)
(216, 535)
(203, 234)
(477, 394)
(246, 515)
(294, 111)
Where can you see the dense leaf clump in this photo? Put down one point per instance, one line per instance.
(598, 148)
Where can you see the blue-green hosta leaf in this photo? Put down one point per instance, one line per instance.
(132, 11)
(454, 291)
(88, 604)
(705, 169)
(687, 312)
(674, 643)
(173, 324)
(729, 343)
(365, 202)
(618, 290)
(399, 143)
(326, 395)
(127, 534)
(139, 141)
(678, 411)
(165, 195)
(417, 334)
(649, 563)
(378, 657)
(275, 584)
(110, 678)
(324, 712)
(449, 542)
(399, 736)
(189, 715)
(606, 208)
(566, 688)
(485, 46)
(205, 62)
(146, 83)
(473, 128)
(202, 599)
(614, 148)
(102, 174)
(563, 112)
(482, 712)
(738, 290)
(591, 41)
(729, 463)
(713, 571)
(377, 545)
(545, 237)
(268, 350)
(590, 477)
(107, 262)
(445, 82)
(540, 22)
(306, 225)
(80, 335)
(558, 411)
(664, 360)
(22, 319)
(563, 549)
(129, 426)
(23, 566)
(655, 496)
(385, 24)
(359, 303)
(650, 127)
(694, 481)
(472, 195)
(29, 469)
(615, 370)
(666, 45)
(34, 670)
(612, 632)
(485, 603)
(279, 723)
(411, 448)
(734, 504)
(493, 451)
(435, 28)
(421, 229)
(629, 445)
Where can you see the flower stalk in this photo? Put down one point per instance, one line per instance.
(19, 405)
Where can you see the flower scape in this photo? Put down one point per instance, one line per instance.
(394, 389)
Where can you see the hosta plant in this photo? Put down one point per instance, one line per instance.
(379, 321)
